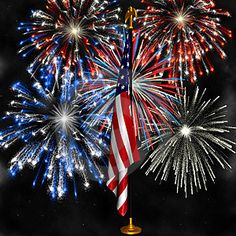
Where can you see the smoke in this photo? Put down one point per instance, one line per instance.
(159, 210)
(3, 176)
(3, 67)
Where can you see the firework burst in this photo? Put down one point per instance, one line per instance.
(196, 144)
(189, 29)
(72, 29)
(151, 92)
(51, 124)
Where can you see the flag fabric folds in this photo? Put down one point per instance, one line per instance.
(123, 151)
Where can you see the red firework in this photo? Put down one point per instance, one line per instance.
(71, 29)
(189, 29)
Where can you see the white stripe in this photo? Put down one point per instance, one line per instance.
(115, 189)
(122, 198)
(122, 174)
(124, 195)
(110, 171)
(110, 180)
(119, 162)
(123, 130)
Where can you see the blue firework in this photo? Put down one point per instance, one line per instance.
(49, 120)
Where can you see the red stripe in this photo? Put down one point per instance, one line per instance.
(112, 161)
(130, 126)
(122, 185)
(124, 208)
(112, 186)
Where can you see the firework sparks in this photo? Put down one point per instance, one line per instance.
(151, 92)
(189, 29)
(70, 29)
(197, 142)
(51, 124)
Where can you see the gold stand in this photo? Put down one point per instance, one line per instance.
(131, 229)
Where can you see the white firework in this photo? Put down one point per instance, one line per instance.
(196, 142)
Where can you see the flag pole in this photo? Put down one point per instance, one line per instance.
(130, 229)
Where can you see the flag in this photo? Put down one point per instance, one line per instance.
(123, 150)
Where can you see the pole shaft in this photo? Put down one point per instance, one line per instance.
(131, 98)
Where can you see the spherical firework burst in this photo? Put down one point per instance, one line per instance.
(151, 92)
(71, 29)
(189, 29)
(51, 124)
(195, 145)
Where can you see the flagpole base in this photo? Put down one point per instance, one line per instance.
(131, 229)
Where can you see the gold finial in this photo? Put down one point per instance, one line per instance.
(130, 14)
(131, 229)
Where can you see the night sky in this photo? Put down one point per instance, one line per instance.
(25, 211)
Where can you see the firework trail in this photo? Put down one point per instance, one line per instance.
(189, 29)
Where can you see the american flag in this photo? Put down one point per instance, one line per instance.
(123, 151)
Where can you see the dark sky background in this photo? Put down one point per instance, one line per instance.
(157, 208)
